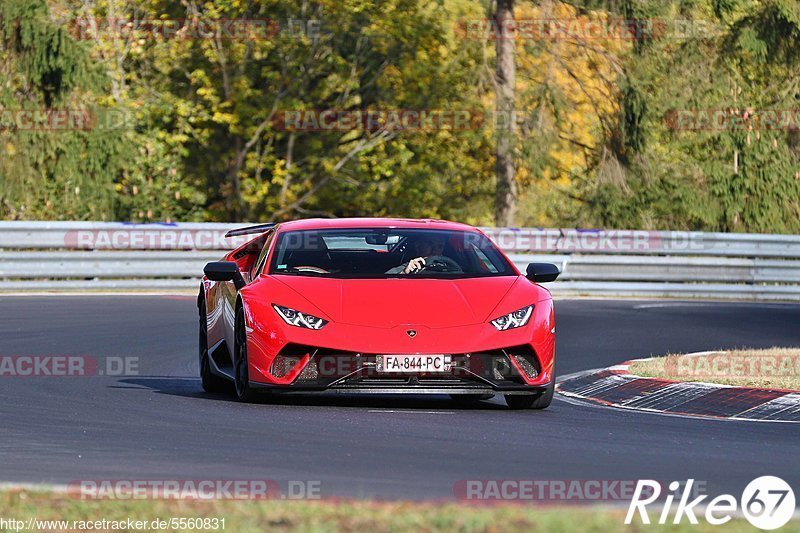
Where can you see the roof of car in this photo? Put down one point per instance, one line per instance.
(334, 223)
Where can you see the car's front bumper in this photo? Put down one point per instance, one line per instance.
(512, 370)
(407, 389)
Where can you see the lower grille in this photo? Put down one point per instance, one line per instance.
(327, 367)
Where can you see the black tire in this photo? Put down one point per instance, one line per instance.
(244, 392)
(211, 382)
(540, 400)
(544, 400)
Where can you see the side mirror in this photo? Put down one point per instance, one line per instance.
(542, 272)
(224, 271)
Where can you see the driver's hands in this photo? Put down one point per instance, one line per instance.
(415, 265)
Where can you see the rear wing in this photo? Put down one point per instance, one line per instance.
(250, 230)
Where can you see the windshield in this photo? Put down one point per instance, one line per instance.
(388, 252)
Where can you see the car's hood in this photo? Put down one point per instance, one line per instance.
(386, 303)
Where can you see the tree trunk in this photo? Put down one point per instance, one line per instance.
(233, 201)
(506, 189)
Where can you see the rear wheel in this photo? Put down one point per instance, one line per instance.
(244, 392)
(210, 381)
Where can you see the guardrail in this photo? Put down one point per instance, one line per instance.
(44, 256)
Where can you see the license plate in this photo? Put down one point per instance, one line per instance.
(412, 364)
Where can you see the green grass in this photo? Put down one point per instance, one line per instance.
(374, 517)
(771, 368)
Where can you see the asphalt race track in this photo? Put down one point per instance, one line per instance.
(160, 425)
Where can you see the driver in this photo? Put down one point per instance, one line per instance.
(424, 247)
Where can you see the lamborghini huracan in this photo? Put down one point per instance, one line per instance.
(369, 305)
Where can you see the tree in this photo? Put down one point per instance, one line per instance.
(506, 195)
(110, 162)
(739, 63)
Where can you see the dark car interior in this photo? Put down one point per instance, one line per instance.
(374, 256)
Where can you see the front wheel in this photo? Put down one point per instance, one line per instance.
(244, 392)
(539, 400)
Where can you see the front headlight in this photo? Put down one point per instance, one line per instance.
(296, 318)
(517, 319)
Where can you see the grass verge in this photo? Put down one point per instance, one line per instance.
(771, 368)
(345, 516)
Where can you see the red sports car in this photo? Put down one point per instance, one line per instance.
(377, 306)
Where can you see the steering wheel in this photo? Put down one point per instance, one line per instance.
(312, 269)
(441, 263)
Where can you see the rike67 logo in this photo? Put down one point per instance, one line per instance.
(767, 503)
